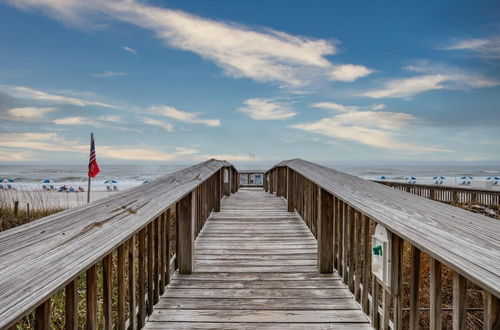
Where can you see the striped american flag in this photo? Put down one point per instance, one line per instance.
(93, 167)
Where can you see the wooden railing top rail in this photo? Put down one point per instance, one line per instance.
(440, 186)
(41, 257)
(464, 241)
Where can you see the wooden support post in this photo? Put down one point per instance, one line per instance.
(218, 193)
(167, 245)
(459, 308)
(91, 299)
(397, 280)
(161, 246)
(141, 285)
(150, 268)
(350, 276)
(386, 302)
(414, 287)
(435, 292)
(325, 231)
(226, 180)
(491, 312)
(70, 306)
(366, 263)
(42, 316)
(156, 266)
(107, 291)
(186, 210)
(16, 208)
(343, 230)
(289, 190)
(374, 315)
(131, 284)
(120, 275)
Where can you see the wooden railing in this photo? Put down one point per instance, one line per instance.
(251, 178)
(431, 245)
(447, 194)
(133, 234)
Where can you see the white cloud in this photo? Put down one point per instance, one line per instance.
(184, 116)
(39, 141)
(129, 49)
(111, 119)
(159, 123)
(227, 157)
(108, 74)
(33, 94)
(29, 113)
(186, 151)
(380, 129)
(349, 72)
(433, 77)
(260, 54)
(7, 155)
(345, 108)
(76, 121)
(134, 153)
(267, 109)
(488, 48)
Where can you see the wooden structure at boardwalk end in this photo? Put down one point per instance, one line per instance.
(192, 250)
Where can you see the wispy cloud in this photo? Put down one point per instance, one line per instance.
(39, 141)
(261, 54)
(184, 116)
(52, 98)
(433, 77)
(186, 151)
(159, 123)
(76, 121)
(108, 74)
(332, 106)
(28, 113)
(267, 109)
(380, 129)
(227, 157)
(129, 49)
(488, 48)
(111, 119)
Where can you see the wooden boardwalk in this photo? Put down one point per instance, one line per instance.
(256, 268)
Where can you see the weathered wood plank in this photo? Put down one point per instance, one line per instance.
(253, 326)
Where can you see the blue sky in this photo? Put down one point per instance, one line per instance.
(181, 81)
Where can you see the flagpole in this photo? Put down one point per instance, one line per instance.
(88, 186)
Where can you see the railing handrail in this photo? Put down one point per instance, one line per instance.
(464, 241)
(39, 258)
(440, 186)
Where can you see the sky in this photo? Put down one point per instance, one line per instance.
(182, 81)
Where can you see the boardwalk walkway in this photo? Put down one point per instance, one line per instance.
(256, 268)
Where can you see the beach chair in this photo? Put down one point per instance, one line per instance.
(108, 188)
(51, 187)
(115, 188)
(44, 187)
(9, 186)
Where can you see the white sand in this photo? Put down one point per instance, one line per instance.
(42, 199)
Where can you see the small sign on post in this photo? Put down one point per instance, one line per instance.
(381, 255)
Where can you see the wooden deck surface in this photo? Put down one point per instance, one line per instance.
(256, 268)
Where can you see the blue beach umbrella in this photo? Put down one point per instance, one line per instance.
(47, 181)
(438, 177)
(382, 177)
(411, 178)
(146, 181)
(7, 180)
(110, 181)
(493, 178)
(466, 178)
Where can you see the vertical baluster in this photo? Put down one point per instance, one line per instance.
(414, 287)
(71, 306)
(42, 316)
(374, 308)
(167, 245)
(366, 262)
(120, 275)
(459, 308)
(107, 290)
(340, 265)
(161, 245)
(186, 211)
(141, 285)
(131, 283)
(325, 232)
(91, 298)
(435, 292)
(386, 302)
(350, 219)
(150, 268)
(397, 279)
(491, 312)
(344, 241)
(358, 256)
(156, 265)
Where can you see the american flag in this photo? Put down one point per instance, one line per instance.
(93, 167)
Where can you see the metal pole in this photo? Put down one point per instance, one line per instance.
(88, 186)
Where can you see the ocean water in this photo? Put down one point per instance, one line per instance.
(29, 177)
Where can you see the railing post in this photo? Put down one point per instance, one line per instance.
(226, 179)
(325, 231)
(289, 191)
(186, 211)
(491, 311)
(459, 294)
(42, 316)
(435, 291)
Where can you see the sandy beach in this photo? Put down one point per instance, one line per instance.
(43, 199)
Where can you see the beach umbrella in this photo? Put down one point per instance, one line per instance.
(7, 180)
(382, 177)
(47, 181)
(110, 181)
(466, 178)
(146, 181)
(438, 178)
(493, 178)
(411, 178)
